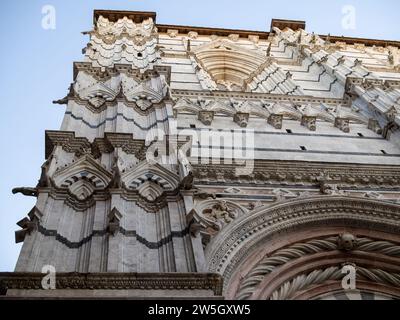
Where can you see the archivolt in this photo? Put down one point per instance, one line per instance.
(303, 230)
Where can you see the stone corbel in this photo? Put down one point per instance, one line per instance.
(254, 39)
(275, 120)
(206, 117)
(343, 124)
(114, 221)
(214, 37)
(241, 119)
(309, 122)
(193, 35)
(233, 37)
(172, 33)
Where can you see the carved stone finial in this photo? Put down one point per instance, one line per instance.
(313, 38)
(346, 242)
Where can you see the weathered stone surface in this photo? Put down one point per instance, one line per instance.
(185, 150)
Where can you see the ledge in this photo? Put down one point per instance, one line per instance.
(137, 282)
(114, 15)
(139, 16)
(292, 24)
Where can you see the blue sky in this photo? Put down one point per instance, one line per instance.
(36, 68)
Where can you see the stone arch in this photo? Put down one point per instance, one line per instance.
(226, 62)
(82, 178)
(145, 171)
(292, 250)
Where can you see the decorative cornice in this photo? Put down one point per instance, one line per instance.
(80, 145)
(292, 24)
(67, 140)
(163, 28)
(92, 87)
(114, 103)
(140, 16)
(370, 83)
(270, 171)
(102, 123)
(105, 73)
(178, 93)
(116, 281)
(115, 15)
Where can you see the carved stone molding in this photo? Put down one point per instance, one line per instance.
(214, 215)
(320, 276)
(344, 242)
(104, 74)
(80, 145)
(116, 281)
(82, 178)
(272, 172)
(269, 97)
(233, 244)
(97, 88)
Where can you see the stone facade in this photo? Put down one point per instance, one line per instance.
(199, 162)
